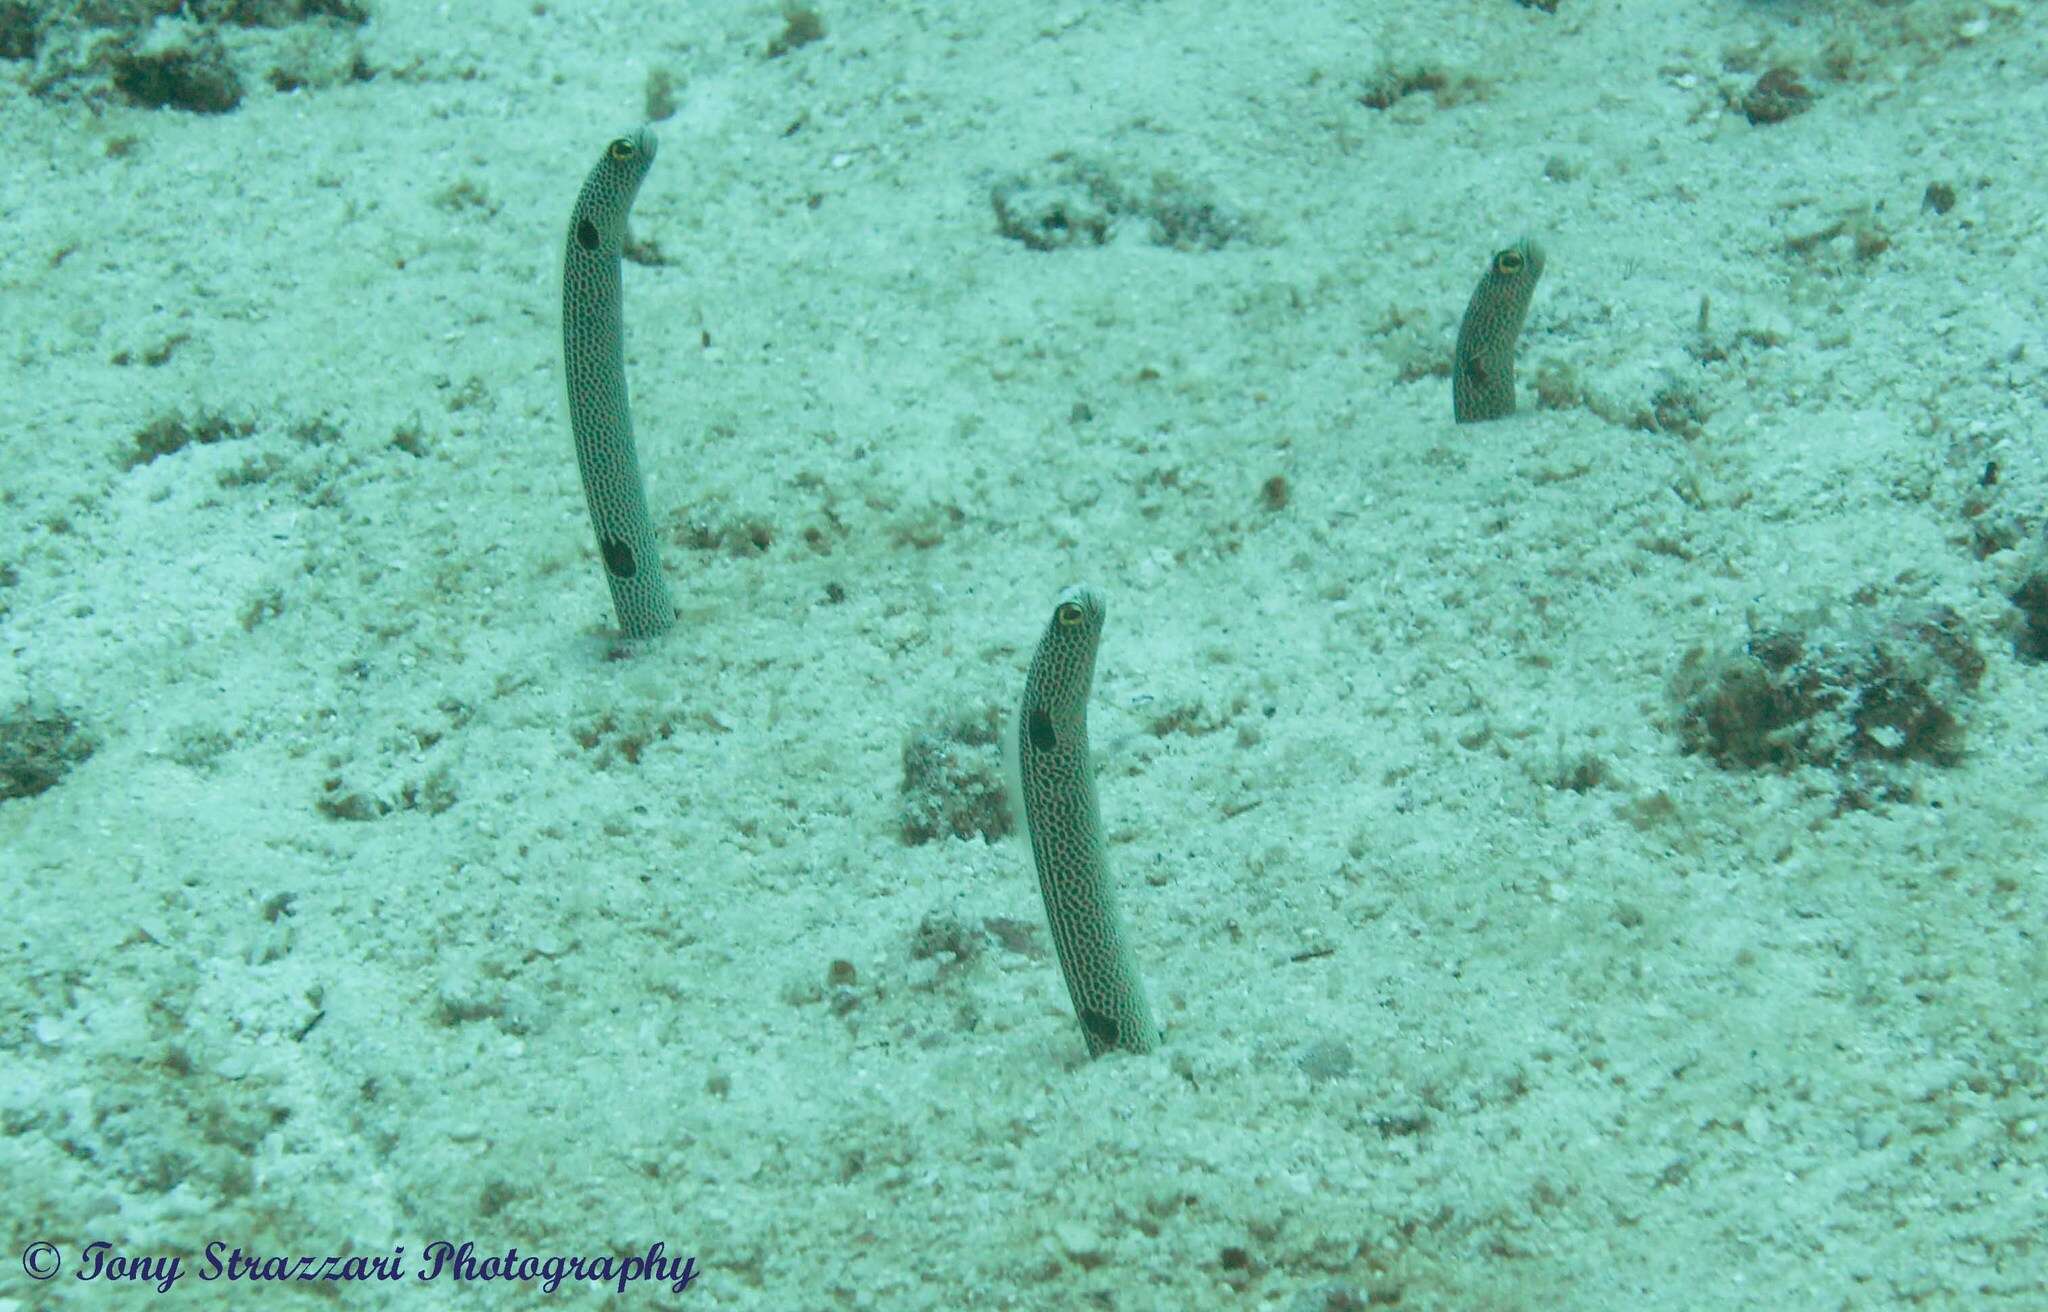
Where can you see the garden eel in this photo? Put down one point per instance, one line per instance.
(1066, 831)
(600, 417)
(1483, 369)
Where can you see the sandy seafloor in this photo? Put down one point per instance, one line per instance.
(396, 902)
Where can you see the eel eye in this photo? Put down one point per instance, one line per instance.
(1068, 615)
(1508, 262)
(622, 149)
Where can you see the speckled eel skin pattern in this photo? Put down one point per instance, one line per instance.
(1483, 365)
(1066, 832)
(593, 360)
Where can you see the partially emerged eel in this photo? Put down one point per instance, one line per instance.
(1060, 813)
(593, 359)
(1483, 367)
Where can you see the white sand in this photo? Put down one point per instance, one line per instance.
(1686, 1039)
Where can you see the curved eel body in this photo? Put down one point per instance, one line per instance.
(1483, 366)
(593, 359)
(1060, 812)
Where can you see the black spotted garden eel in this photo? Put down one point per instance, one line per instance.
(1060, 813)
(593, 359)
